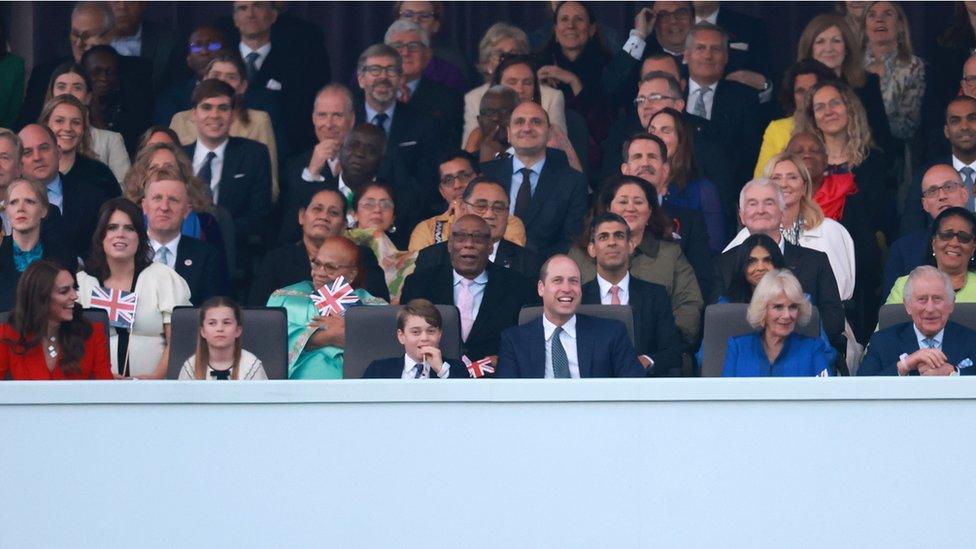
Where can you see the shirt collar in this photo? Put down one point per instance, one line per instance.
(548, 327)
(693, 87)
(55, 184)
(412, 85)
(494, 251)
(920, 336)
(200, 151)
(518, 165)
(480, 279)
(713, 18)
(371, 113)
(263, 51)
(172, 245)
(958, 164)
(624, 284)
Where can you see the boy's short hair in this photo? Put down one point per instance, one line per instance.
(210, 88)
(422, 308)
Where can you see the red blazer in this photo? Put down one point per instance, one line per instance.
(31, 366)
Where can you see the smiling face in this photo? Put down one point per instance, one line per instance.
(381, 89)
(24, 208)
(573, 26)
(673, 21)
(332, 116)
(61, 307)
(375, 210)
(220, 328)
(758, 264)
(829, 111)
(528, 130)
(610, 246)
(469, 246)
(787, 176)
(416, 334)
(942, 188)
(952, 255)
(560, 290)
(828, 48)
(166, 205)
(68, 126)
(40, 155)
(72, 84)
(960, 127)
(121, 241)
(322, 217)
(706, 57)
(781, 314)
(520, 79)
(213, 117)
(761, 213)
(656, 95)
(881, 23)
(929, 306)
(664, 126)
(630, 202)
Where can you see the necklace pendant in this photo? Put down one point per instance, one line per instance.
(52, 351)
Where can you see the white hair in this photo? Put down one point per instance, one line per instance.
(404, 25)
(924, 271)
(772, 284)
(760, 183)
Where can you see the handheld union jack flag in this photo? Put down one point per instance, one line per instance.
(120, 306)
(333, 299)
(478, 368)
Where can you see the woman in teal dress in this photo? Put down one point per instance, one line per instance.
(950, 250)
(316, 341)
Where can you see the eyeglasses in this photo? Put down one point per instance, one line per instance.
(971, 79)
(417, 15)
(197, 47)
(327, 267)
(83, 37)
(653, 98)
(451, 178)
(962, 236)
(411, 47)
(477, 238)
(481, 207)
(376, 70)
(371, 204)
(833, 103)
(948, 187)
(677, 15)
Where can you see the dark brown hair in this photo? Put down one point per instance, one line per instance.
(97, 265)
(422, 308)
(210, 88)
(682, 163)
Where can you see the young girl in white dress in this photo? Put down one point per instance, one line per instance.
(219, 354)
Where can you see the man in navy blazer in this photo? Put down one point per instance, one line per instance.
(548, 195)
(236, 170)
(657, 339)
(928, 345)
(561, 343)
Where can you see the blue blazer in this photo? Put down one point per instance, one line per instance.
(392, 368)
(603, 349)
(881, 359)
(801, 356)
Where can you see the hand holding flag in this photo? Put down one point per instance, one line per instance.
(333, 299)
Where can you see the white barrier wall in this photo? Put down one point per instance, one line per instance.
(593, 463)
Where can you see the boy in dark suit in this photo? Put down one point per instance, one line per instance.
(419, 331)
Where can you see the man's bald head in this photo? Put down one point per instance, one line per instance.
(39, 153)
(942, 188)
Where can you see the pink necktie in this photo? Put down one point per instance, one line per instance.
(465, 305)
(615, 295)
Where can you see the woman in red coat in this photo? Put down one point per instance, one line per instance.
(47, 337)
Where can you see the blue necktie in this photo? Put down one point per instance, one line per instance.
(560, 364)
(206, 172)
(930, 343)
(380, 120)
(967, 181)
(251, 65)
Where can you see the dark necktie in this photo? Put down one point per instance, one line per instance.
(967, 181)
(419, 370)
(220, 374)
(524, 195)
(251, 62)
(560, 362)
(206, 171)
(380, 120)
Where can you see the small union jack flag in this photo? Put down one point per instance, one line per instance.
(478, 368)
(333, 299)
(120, 306)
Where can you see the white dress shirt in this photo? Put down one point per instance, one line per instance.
(172, 246)
(130, 46)
(216, 165)
(693, 88)
(568, 338)
(409, 373)
(262, 52)
(494, 251)
(623, 294)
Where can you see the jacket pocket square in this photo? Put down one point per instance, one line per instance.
(239, 175)
(741, 46)
(274, 84)
(407, 144)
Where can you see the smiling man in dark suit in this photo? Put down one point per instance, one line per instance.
(548, 195)
(166, 204)
(488, 297)
(658, 341)
(561, 343)
(236, 170)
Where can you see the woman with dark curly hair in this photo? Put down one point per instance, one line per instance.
(47, 338)
(122, 259)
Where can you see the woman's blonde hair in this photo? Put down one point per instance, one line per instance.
(809, 210)
(134, 184)
(84, 145)
(903, 39)
(858, 132)
(852, 69)
(202, 360)
(772, 284)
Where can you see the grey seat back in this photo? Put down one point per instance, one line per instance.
(371, 335)
(895, 313)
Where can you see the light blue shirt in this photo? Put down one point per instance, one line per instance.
(55, 193)
(371, 114)
(937, 338)
(130, 46)
(477, 289)
(517, 180)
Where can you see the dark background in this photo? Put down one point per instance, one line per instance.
(352, 26)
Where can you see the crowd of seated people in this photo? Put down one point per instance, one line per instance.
(578, 180)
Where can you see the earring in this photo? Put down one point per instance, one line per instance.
(392, 229)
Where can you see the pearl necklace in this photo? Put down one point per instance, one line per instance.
(52, 349)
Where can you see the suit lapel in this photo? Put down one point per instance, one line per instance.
(591, 292)
(443, 285)
(908, 338)
(584, 348)
(542, 191)
(504, 256)
(537, 350)
(232, 161)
